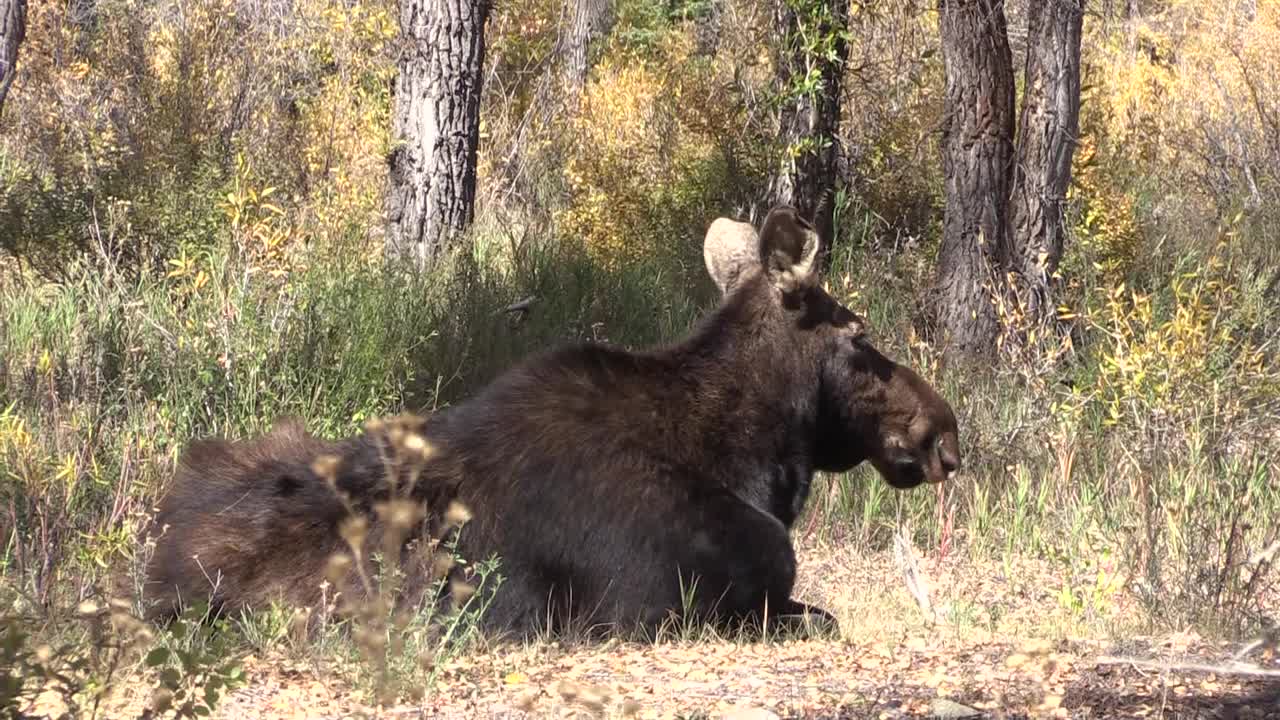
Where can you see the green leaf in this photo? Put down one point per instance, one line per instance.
(157, 657)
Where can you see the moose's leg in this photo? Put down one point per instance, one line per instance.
(745, 568)
(710, 555)
(805, 620)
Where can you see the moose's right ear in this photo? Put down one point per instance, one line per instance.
(789, 249)
(729, 250)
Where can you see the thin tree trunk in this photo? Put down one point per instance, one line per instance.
(588, 20)
(13, 28)
(977, 149)
(556, 92)
(431, 199)
(707, 27)
(809, 121)
(1047, 131)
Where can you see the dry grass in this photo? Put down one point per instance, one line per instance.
(888, 663)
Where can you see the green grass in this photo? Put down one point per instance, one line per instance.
(104, 380)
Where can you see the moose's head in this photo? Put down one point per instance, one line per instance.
(869, 408)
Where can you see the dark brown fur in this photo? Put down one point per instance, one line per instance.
(610, 482)
(250, 522)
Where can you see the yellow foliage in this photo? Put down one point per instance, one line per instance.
(618, 146)
(261, 230)
(1181, 363)
(14, 435)
(162, 99)
(641, 140)
(1107, 225)
(1188, 90)
(26, 462)
(346, 129)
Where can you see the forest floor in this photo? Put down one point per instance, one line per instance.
(1003, 643)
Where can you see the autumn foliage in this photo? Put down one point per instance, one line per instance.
(191, 204)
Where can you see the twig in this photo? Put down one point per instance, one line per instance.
(1265, 555)
(168, 336)
(1231, 668)
(911, 575)
(521, 306)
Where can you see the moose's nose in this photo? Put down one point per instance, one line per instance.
(949, 458)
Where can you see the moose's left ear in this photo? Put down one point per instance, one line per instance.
(789, 249)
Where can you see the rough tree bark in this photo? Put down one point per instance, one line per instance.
(1047, 130)
(977, 152)
(13, 28)
(812, 37)
(1003, 233)
(436, 125)
(707, 27)
(588, 20)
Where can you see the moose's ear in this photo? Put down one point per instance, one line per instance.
(730, 249)
(789, 249)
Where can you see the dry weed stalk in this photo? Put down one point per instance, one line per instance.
(401, 530)
(917, 585)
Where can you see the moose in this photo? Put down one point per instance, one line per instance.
(608, 483)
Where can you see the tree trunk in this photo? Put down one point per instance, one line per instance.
(813, 38)
(1047, 131)
(588, 20)
(13, 28)
(977, 150)
(431, 199)
(707, 27)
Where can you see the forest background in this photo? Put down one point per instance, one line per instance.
(193, 234)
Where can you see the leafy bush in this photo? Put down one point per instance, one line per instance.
(192, 667)
(643, 167)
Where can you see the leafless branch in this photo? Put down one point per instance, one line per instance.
(1228, 668)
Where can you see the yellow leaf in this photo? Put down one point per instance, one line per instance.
(515, 678)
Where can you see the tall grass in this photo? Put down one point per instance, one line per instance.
(103, 381)
(1152, 442)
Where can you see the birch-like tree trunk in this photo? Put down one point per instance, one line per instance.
(810, 62)
(977, 152)
(436, 126)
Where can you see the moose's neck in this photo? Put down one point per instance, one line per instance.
(748, 397)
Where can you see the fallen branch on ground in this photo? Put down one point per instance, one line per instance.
(1230, 668)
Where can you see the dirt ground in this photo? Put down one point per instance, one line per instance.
(996, 642)
(922, 678)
